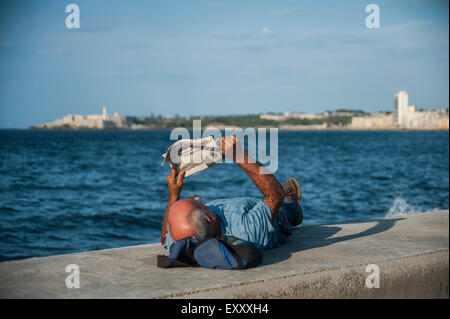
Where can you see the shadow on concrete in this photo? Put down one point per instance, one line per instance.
(320, 236)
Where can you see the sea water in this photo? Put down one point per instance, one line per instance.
(71, 191)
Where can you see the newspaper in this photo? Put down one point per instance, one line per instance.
(193, 156)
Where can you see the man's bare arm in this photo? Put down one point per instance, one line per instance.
(175, 186)
(267, 183)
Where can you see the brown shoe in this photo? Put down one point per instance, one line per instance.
(292, 189)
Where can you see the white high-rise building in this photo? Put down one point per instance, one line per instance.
(401, 108)
(105, 113)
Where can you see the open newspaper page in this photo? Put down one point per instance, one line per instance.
(193, 156)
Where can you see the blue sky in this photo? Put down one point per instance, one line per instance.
(218, 57)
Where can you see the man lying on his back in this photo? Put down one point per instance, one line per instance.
(265, 223)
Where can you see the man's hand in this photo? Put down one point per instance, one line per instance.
(231, 148)
(175, 183)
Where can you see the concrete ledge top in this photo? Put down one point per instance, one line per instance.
(131, 272)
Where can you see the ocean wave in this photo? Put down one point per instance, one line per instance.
(401, 207)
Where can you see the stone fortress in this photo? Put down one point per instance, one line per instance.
(95, 121)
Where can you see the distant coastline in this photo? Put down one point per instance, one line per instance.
(340, 119)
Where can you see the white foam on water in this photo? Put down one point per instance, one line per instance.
(402, 207)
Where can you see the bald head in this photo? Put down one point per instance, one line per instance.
(180, 223)
(189, 217)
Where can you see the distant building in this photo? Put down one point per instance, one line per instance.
(405, 117)
(291, 115)
(373, 121)
(303, 116)
(93, 121)
(342, 113)
(428, 119)
(401, 108)
(272, 117)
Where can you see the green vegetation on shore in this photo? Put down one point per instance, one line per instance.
(247, 120)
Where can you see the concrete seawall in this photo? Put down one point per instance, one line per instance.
(322, 261)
